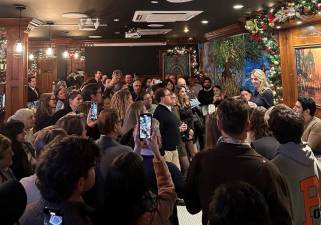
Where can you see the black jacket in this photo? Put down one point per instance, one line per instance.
(168, 124)
(33, 95)
(233, 162)
(205, 97)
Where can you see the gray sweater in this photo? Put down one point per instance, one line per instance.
(301, 171)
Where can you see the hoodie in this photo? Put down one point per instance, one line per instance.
(301, 171)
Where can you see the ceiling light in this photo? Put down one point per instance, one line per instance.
(116, 20)
(186, 30)
(154, 2)
(190, 38)
(117, 32)
(65, 54)
(238, 6)
(74, 15)
(49, 51)
(204, 21)
(19, 45)
(95, 36)
(76, 55)
(179, 1)
(31, 57)
(155, 25)
(278, 27)
(299, 22)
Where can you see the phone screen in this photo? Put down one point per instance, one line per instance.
(52, 217)
(93, 111)
(145, 126)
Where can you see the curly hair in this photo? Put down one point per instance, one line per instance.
(238, 203)
(286, 125)
(68, 159)
(121, 101)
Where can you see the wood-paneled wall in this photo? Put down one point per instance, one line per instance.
(289, 40)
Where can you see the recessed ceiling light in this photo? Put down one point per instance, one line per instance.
(204, 21)
(186, 30)
(190, 38)
(154, 2)
(116, 20)
(299, 22)
(179, 1)
(95, 36)
(74, 15)
(238, 6)
(155, 25)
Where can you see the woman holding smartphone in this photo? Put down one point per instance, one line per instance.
(128, 199)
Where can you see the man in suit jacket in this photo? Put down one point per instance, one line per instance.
(33, 92)
(234, 160)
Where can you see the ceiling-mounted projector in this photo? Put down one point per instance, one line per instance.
(89, 24)
(132, 33)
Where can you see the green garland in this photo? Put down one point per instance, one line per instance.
(261, 26)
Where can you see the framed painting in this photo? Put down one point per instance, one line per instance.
(308, 69)
(179, 65)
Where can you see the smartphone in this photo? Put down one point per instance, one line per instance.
(145, 125)
(93, 111)
(52, 216)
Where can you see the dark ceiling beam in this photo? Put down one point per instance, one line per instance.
(233, 29)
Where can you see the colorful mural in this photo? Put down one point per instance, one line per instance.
(229, 62)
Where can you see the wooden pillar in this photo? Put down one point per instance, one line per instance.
(17, 65)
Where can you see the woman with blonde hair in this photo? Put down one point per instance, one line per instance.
(263, 95)
(121, 101)
(130, 121)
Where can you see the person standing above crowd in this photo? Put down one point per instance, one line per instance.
(306, 107)
(114, 84)
(263, 95)
(297, 164)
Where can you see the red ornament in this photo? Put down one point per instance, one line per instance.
(263, 26)
(271, 18)
(255, 37)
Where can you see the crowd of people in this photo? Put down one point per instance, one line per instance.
(75, 156)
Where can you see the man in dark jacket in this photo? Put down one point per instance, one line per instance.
(33, 91)
(168, 125)
(234, 160)
(205, 96)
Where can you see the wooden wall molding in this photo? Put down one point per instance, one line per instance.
(290, 39)
(233, 29)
